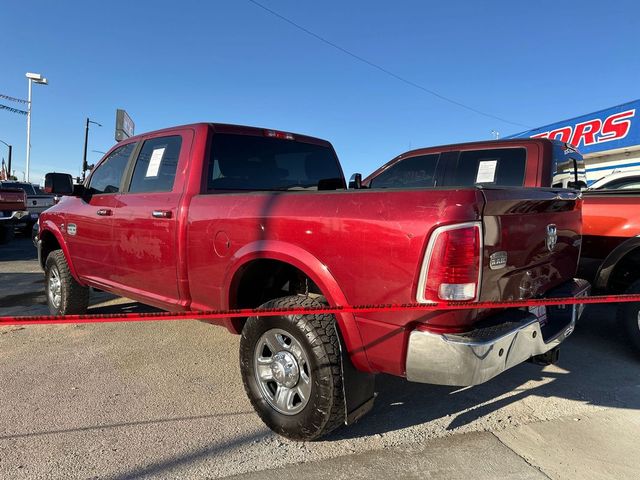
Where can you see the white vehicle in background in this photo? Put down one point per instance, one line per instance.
(628, 179)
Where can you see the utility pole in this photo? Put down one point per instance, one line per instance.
(85, 167)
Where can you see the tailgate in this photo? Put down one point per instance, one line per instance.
(12, 199)
(44, 201)
(532, 241)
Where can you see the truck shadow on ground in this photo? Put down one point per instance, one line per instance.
(596, 367)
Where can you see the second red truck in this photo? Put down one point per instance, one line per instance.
(212, 216)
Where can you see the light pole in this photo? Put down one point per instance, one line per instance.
(37, 78)
(9, 161)
(86, 140)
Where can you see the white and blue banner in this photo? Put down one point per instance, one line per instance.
(609, 129)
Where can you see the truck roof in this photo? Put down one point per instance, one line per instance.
(235, 129)
(482, 144)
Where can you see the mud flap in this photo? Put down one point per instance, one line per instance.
(358, 387)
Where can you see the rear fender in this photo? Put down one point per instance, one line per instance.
(317, 271)
(609, 264)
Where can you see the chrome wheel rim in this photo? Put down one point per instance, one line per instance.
(54, 287)
(282, 371)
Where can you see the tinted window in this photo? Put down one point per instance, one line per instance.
(244, 162)
(500, 166)
(411, 172)
(107, 176)
(156, 165)
(25, 187)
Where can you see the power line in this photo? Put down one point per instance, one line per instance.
(384, 70)
(13, 99)
(12, 110)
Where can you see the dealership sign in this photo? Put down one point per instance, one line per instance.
(613, 128)
(124, 125)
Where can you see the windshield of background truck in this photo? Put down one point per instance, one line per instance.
(246, 162)
(497, 167)
(568, 168)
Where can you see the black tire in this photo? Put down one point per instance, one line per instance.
(317, 336)
(7, 233)
(629, 317)
(73, 298)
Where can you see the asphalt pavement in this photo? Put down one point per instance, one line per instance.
(165, 400)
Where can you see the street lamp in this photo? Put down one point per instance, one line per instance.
(10, 150)
(85, 167)
(37, 78)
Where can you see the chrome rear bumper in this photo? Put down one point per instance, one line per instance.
(478, 356)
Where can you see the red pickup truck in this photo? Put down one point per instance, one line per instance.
(611, 250)
(212, 216)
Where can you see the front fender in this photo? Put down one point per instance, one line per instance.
(317, 271)
(48, 227)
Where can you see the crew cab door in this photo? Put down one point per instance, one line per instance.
(88, 229)
(146, 219)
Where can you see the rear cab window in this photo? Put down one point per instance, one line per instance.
(254, 163)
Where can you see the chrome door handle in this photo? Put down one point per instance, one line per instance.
(161, 214)
(104, 212)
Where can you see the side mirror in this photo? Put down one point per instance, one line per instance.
(355, 182)
(58, 183)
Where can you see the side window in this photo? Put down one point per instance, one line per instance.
(412, 172)
(107, 176)
(156, 165)
(500, 166)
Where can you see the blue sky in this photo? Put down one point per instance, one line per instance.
(170, 63)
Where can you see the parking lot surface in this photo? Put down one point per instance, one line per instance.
(165, 400)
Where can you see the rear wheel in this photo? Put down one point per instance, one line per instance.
(65, 296)
(629, 316)
(292, 372)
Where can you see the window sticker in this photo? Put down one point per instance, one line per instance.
(154, 162)
(486, 171)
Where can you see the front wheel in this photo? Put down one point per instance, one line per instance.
(629, 317)
(65, 296)
(292, 372)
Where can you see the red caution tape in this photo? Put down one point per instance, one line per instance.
(257, 312)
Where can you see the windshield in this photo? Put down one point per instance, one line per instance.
(568, 168)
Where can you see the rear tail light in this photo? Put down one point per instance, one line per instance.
(452, 264)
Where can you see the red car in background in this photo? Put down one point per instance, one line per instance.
(611, 250)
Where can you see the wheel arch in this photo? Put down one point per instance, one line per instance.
(312, 268)
(614, 271)
(50, 239)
